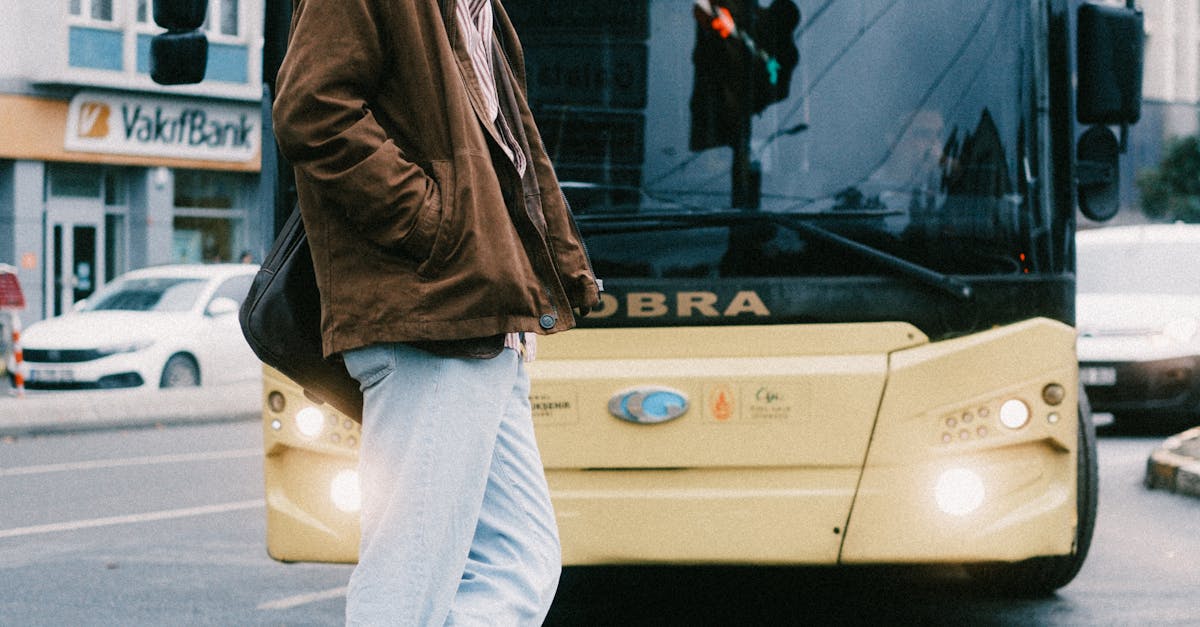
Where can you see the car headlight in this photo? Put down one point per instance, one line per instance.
(124, 347)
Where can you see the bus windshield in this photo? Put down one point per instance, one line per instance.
(693, 139)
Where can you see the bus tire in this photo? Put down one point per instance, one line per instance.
(1041, 576)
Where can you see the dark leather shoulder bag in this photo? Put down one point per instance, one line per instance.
(281, 319)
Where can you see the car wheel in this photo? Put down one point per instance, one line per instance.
(1041, 576)
(181, 371)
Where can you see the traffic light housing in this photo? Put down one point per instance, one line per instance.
(744, 59)
(180, 55)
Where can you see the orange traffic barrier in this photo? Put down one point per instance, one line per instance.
(18, 357)
(12, 300)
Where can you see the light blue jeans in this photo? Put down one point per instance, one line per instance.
(457, 525)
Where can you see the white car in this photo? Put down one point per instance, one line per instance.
(1138, 316)
(165, 326)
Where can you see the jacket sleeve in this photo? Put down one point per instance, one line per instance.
(325, 126)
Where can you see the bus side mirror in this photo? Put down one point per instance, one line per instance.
(1109, 49)
(180, 55)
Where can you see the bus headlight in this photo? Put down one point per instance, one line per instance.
(310, 421)
(345, 492)
(959, 491)
(1014, 414)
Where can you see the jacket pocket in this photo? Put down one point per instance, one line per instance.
(422, 238)
(432, 257)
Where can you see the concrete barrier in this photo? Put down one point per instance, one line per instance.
(64, 411)
(1175, 465)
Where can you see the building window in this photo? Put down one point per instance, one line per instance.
(94, 39)
(93, 10)
(228, 17)
(210, 215)
(225, 16)
(229, 48)
(206, 239)
(202, 189)
(73, 180)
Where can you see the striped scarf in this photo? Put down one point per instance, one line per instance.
(475, 21)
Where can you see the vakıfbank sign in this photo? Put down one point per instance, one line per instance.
(162, 127)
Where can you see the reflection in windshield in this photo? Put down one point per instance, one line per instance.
(743, 61)
(910, 121)
(157, 294)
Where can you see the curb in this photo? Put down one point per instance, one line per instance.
(1175, 466)
(71, 411)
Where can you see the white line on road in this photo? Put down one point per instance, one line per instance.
(75, 525)
(288, 603)
(131, 461)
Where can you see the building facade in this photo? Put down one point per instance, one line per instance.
(1170, 92)
(102, 170)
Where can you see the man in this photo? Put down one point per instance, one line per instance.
(442, 244)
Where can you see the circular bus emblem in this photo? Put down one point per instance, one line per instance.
(648, 405)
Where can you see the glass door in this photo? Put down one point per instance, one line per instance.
(75, 255)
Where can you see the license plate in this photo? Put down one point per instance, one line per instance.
(40, 375)
(1098, 375)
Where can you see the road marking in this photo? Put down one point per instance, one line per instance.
(131, 461)
(75, 525)
(288, 603)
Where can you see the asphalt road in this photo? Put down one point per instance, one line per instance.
(165, 527)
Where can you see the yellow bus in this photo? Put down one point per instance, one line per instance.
(836, 240)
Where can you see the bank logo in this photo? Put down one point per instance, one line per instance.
(93, 120)
(180, 128)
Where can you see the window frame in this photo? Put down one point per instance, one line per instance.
(212, 20)
(212, 24)
(85, 17)
(148, 23)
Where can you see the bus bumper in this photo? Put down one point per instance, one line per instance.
(971, 458)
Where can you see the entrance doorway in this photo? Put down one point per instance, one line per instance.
(75, 254)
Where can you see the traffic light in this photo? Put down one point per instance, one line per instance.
(744, 59)
(180, 55)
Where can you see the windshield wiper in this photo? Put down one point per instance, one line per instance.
(945, 283)
(614, 223)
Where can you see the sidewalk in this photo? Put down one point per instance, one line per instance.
(1175, 466)
(42, 412)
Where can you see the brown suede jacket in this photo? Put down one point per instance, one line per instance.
(417, 231)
